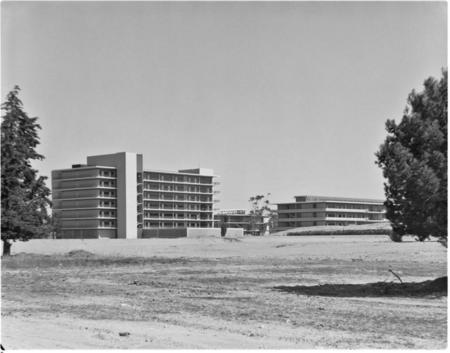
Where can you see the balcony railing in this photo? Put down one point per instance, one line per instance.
(175, 210)
(175, 182)
(96, 207)
(83, 178)
(179, 191)
(178, 219)
(85, 228)
(87, 217)
(85, 198)
(175, 200)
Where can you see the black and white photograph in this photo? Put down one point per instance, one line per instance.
(224, 175)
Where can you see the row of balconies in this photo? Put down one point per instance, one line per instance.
(178, 200)
(370, 207)
(193, 215)
(178, 219)
(335, 219)
(176, 196)
(302, 208)
(174, 204)
(86, 214)
(289, 225)
(95, 187)
(318, 218)
(97, 215)
(176, 210)
(63, 218)
(84, 204)
(83, 184)
(85, 198)
(81, 227)
(85, 223)
(177, 183)
(83, 173)
(328, 209)
(164, 191)
(181, 179)
(149, 225)
(99, 203)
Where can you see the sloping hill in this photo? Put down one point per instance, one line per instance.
(374, 228)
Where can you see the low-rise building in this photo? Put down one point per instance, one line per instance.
(309, 211)
(238, 218)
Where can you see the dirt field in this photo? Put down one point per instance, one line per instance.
(217, 293)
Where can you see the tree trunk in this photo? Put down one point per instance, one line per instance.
(396, 237)
(6, 248)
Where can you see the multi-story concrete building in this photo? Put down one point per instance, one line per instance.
(309, 211)
(113, 196)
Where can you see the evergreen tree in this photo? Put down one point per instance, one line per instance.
(25, 197)
(414, 162)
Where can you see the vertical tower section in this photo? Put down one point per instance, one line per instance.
(140, 197)
(126, 165)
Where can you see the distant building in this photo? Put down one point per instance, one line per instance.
(309, 211)
(113, 196)
(241, 219)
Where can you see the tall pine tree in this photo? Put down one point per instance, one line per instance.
(414, 162)
(25, 197)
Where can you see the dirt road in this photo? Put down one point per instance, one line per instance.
(216, 293)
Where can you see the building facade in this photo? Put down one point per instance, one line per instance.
(113, 196)
(309, 211)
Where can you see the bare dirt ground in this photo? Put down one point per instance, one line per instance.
(218, 293)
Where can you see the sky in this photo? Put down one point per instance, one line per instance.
(281, 98)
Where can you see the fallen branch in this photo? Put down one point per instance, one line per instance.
(396, 275)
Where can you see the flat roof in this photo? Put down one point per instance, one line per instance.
(199, 171)
(83, 167)
(337, 199)
(177, 172)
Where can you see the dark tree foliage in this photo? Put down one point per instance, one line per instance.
(25, 197)
(414, 162)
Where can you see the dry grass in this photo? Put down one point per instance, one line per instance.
(374, 228)
(220, 294)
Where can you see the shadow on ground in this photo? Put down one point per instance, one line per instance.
(435, 288)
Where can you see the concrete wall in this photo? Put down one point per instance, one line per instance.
(190, 232)
(213, 232)
(164, 233)
(86, 234)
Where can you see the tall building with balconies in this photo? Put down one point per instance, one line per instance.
(112, 196)
(309, 211)
(178, 199)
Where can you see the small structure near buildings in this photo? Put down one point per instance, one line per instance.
(238, 218)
